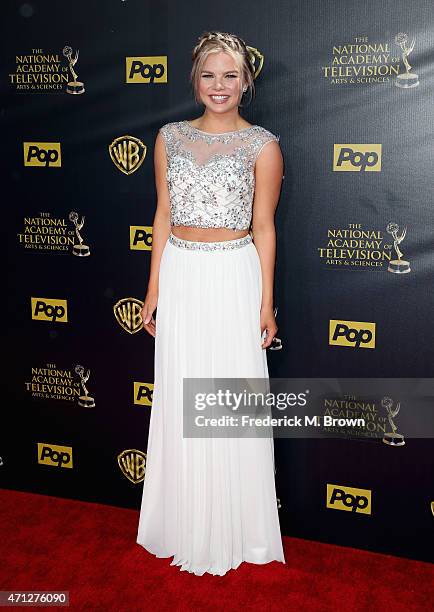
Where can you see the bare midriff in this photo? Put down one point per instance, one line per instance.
(210, 234)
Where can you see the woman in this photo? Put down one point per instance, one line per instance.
(211, 503)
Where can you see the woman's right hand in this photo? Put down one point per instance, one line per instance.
(149, 306)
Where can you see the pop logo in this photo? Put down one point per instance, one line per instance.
(357, 158)
(357, 334)
(146, 69)
(42, 154)
(45, 309)
(143, 393)
(347, 498)
(141, 237)
(55, 456)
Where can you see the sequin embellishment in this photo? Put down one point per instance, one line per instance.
(211, 177)
(224, 245)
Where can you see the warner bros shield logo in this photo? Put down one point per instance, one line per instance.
(127, 153)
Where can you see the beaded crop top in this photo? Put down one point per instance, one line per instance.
(211, 177)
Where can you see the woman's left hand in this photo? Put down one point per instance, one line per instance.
(268, 322)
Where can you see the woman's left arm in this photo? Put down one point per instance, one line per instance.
(268, 183)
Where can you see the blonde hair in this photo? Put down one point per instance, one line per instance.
(214, 42)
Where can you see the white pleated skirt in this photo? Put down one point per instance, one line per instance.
(210, 503)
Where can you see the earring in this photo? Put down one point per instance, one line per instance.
(245, 88)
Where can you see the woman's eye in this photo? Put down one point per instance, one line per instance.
(210, 76)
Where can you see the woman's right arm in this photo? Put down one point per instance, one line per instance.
(160, 233)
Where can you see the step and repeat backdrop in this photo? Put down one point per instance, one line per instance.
(348, 88)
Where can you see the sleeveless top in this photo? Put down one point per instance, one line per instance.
(211, 177)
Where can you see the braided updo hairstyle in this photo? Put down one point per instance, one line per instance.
(214, 42)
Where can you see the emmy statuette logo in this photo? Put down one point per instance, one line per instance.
(74, 86)
(81, 250)
(407, 79)
(392, 438)
(397, 266)
(84, 399)
(132, 463)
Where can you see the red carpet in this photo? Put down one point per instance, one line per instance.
(89, 550)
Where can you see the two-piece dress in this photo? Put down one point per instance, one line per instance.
(209, 503)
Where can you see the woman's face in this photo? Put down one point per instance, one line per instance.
(220, 83)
